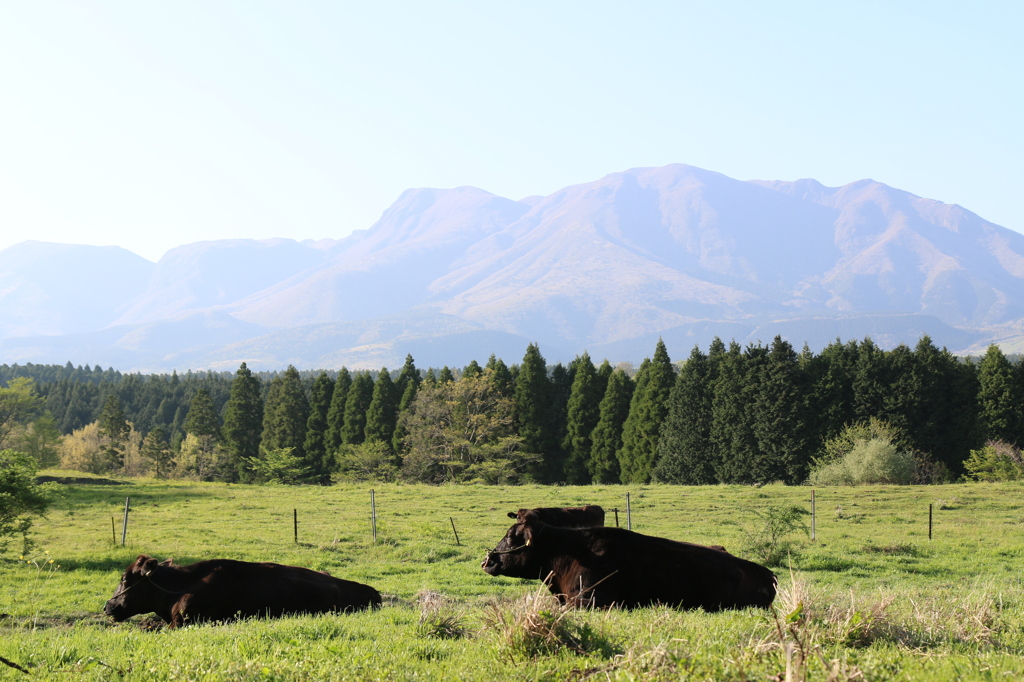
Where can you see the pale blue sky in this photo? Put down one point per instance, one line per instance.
(149, 125)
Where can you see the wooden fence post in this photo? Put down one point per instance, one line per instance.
(629, 514)
(373, 514)
(124, 524)
(616, 510)
(929, 521)
(813, 517)
(295, 523)
(455, 531)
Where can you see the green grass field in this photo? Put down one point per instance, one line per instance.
(879, 600)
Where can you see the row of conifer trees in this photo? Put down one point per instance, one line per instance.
(732, 414)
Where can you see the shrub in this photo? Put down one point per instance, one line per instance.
(867, 453)
(369, 461)
(769, 541)
(997, 461)
(21, 497)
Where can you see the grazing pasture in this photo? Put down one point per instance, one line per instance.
(871, 599)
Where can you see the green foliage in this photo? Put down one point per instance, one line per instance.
(685, 449)
(281, 465)
(769, 541)
(284, 414)
(382, 414)
(533, 403)
(21, 498)
(336, 413)
(607, 434)
(360, 394)
(114, 429)
(865, 453)
(999, 398)
(243, 421)
(582, 413)
(157, 452)
(39, 439)
(996, 461)
(638, 457)
(315, 445)
(371, 460)
(202, 419)
(19, 404)
(463, 431)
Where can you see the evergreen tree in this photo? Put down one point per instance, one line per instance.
(532, 401)
(946, 423)
(316, 459)
(356, 405)
(446, 375)
(500, 377)
(472, 370)
(998, 398)
(606, 438)
(202, 419)
(408, 374)
(284, 415)
(732, 432)
(582, 413)
(870, 382)
(830, 378)
(114, 429)
(639, 455)
(157, 452)
(336, 413)
(382, 414)
(243, 422)
(685, 443)
(779, 408)
(404, 405)
(561, 379)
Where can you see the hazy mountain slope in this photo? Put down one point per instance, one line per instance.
(390, 269)
(216, 273)
(608, 265)
(48, 288)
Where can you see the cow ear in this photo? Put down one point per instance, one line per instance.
(512, 515)
(167, 562)
(528, 535)
(148, 565)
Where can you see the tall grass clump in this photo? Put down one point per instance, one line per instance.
(538, 625)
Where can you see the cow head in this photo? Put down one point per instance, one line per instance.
(136, 592)
(519, 515)
(516, 555)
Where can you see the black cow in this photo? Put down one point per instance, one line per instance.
(222, 589)
(589, 516)
(615, 567)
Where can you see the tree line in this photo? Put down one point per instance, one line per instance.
(733, 414)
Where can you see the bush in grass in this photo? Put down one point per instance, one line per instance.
(21, 498)
(865, 453)
(769, 542)
(369, 461)
(997, 461)
(280, 465)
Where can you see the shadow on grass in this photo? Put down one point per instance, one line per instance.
(75, 496)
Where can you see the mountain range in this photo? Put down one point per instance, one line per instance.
(609, 266)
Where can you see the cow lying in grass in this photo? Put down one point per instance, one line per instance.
(223, 589)
(588, 516)
(615, 567)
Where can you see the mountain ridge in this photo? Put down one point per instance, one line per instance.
(596, 265)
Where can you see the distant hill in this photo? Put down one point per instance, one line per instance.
(609, 266)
